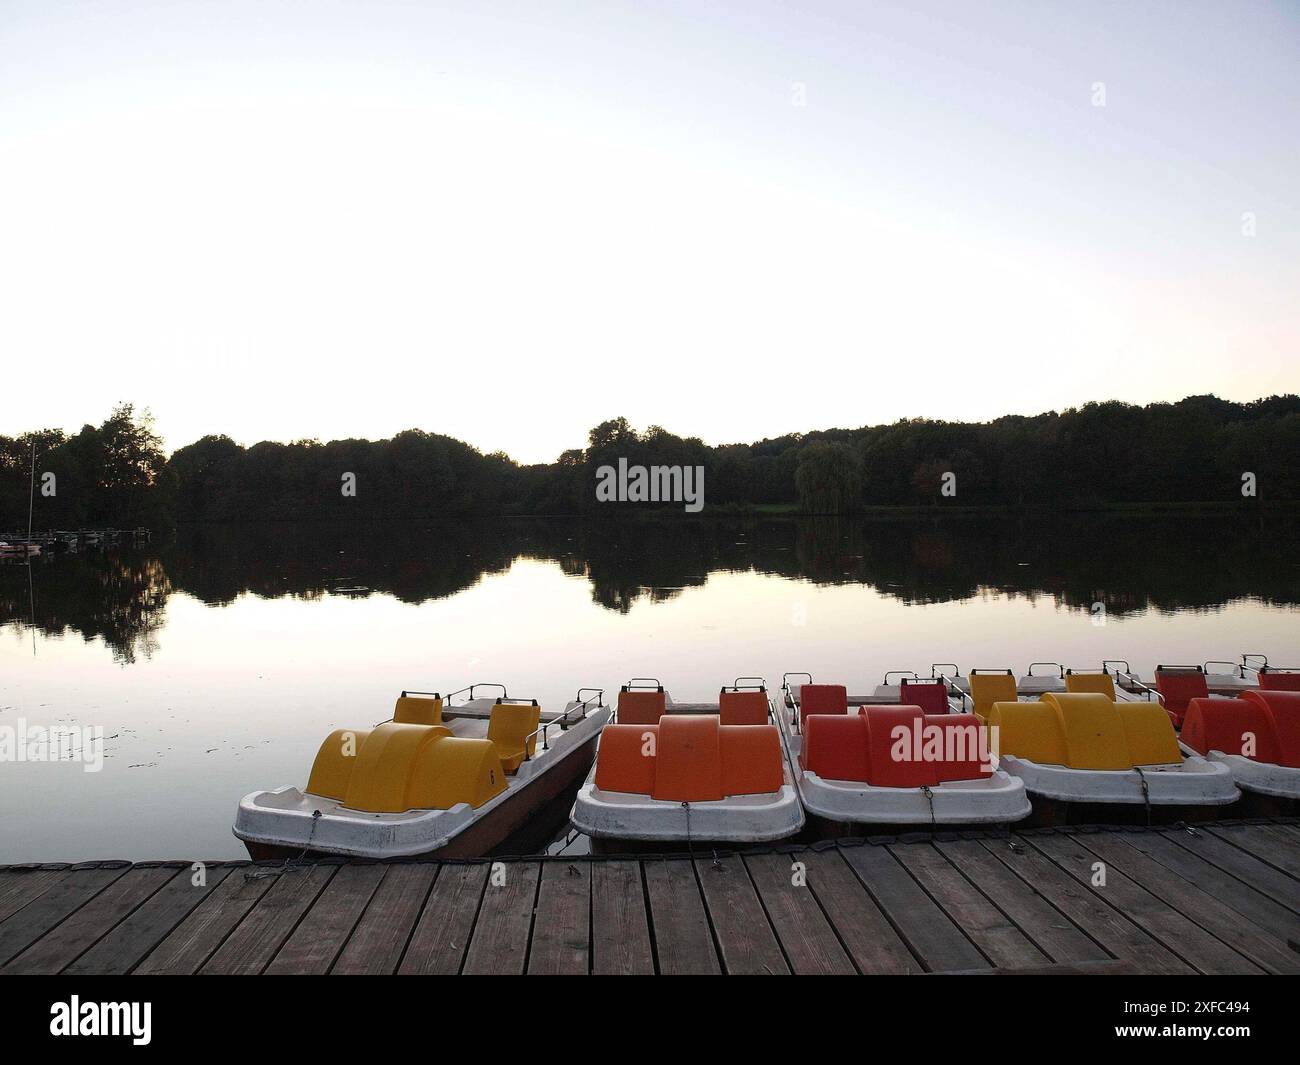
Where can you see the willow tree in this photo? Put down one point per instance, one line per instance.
(828, 478)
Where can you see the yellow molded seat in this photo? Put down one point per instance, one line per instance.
(455, 770)
(989, 688)
(384, 762)
(398, 766)
(1097, 683)
(510, 728)
(1084, 730)
(335, 760)
(418, 710)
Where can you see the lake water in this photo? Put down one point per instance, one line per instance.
(217, 661)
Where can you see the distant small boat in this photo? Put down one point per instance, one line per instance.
(695, 773)
(23, 550)
(439, 779)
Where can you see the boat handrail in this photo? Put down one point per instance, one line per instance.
(1245, 665)
(737, 686)
(956, 669)
(477, 684)
(785, 687)
(644, 682)
(1060, 668)
(901, 673)
(1233, 667)
(563, 720)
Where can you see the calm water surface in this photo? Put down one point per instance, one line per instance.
(218, 660)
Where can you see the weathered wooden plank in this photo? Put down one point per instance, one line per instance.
(1223, 922)
(380, 937)
(123, 947)
(806, 936)
(65, 896)
(19, 886)
(925, 928)
(196, 938)
(446, 923)
(1050, 930)
(997, 937)
(562, 925)
(1183, 937)
(90, 922)
(1110, 929)
(1246, 867)
(867, 936)
(620, 936)
(745, 939)
(271, 920)
(1225, 887)
(1263, 843)
(682, 937)
(499, 945)
(327, 924)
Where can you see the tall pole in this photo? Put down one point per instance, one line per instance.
(31, 499)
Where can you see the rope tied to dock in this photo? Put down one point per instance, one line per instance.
(291, 862)
(1146, 793)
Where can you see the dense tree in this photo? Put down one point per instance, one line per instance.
(1195, 450)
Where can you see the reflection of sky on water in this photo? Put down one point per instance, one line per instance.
(236, 697)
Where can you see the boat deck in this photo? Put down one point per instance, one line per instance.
(1216, 898)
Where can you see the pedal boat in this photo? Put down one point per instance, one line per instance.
(1257, 737)
(689, 773)
(440, 778)
(1082, 746)
(900, 763)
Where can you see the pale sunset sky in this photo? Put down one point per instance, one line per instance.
(509, 221)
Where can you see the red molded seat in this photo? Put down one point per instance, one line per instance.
(895, 744)
(743, 708)
(895, 747)
(1284, 708)
(965, 746)
(822, 699)
(930, 696)
(1178, 689)
(1279, 682)
(641, 707)
(835, 747)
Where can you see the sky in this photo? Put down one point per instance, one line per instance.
(507, 222)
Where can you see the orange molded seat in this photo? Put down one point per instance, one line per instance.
(751, 759)
(641, 707)
(743, 708)
(822, 699)
(835, 746)
(1284, 708)
(1279, 682)
(1177, 689)
(625, 760)
(1095, 683)
(1229, 726)
(930, 695)
(689, 758)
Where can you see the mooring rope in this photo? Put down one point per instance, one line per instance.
(291, 861)
(1146, 793)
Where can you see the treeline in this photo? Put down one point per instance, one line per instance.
(1195, 450)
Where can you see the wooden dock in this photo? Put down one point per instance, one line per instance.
(1218, 898)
